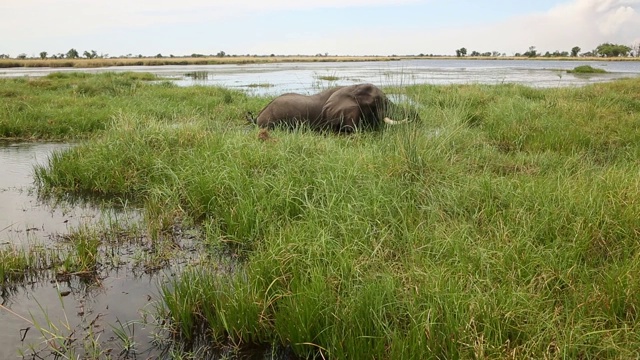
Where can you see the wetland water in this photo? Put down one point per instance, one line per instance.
(114, 295)
(276, 78)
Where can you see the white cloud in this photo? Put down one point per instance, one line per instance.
(41, 24)
(583, 23)
(42, 20)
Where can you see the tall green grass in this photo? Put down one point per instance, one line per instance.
(73, 105)
(504, 224)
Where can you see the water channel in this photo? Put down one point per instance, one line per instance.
(122, 295)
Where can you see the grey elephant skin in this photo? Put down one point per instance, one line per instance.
(341, 109)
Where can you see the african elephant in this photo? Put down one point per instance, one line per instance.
(339, 109)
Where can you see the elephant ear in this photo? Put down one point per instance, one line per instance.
(341, 112)
(366, 95)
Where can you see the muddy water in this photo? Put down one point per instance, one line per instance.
(78, 306)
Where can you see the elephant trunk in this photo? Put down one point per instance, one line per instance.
(251, 118)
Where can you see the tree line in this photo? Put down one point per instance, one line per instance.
(602, 50)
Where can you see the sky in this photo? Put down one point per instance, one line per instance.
(309, 27)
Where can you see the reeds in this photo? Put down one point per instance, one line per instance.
(147, 61)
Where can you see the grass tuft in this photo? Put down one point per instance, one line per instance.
(586, 69)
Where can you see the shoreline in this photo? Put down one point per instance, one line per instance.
(240, 60)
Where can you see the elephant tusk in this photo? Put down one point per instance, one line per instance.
(394, 122)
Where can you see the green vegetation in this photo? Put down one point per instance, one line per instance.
(613, 50)
(260, 85)
(603, 51)
(18, 264)
(328, 78)
(84, 252)
(586, 69)
(72, 105)
(505, 224)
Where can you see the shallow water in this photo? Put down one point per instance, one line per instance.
(25, 218)
(276, 78)
(90, 308)
(110, 296)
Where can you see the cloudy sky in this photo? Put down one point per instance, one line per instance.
(309, 27)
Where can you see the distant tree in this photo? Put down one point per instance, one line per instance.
(462, 52)
(221, 54)
(43, 55)
(475, 53)
(531, 53)
(72, 54)
(22, 56)
(575, 51)
(90, 55)
(495, 53)
(4, 56)
(159, 56)
(612, 50)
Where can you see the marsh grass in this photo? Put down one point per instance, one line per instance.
(74, 105)
(199, 75)
(96, 63)
(330, 78)
(19, 265)
(503, 224)
(83, 252)
(260, 85)
(586, 69)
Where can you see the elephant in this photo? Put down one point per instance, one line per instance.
(342, 109)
